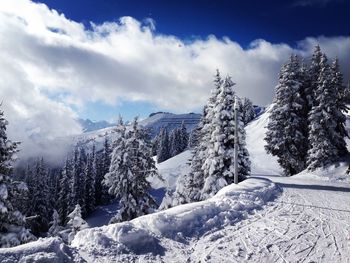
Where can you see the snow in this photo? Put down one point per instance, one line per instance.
(51, 250)
(308, 222)
(267, 218)
(170, 170)
(159, 231)
(261, 162)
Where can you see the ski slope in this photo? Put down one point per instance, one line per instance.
(308, 222)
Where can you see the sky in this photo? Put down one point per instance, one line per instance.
(64, 60)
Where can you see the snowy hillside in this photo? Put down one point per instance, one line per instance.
(266, 218)
(262, 163)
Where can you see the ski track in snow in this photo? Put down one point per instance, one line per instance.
(309, 222)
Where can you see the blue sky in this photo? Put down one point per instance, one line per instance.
(242, 21)
(96, 59)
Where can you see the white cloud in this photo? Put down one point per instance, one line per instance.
(49, 63)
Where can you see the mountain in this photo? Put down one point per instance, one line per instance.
(156, 121)
(89, 125)
(153, 123)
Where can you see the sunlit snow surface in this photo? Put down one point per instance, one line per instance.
(267, 218)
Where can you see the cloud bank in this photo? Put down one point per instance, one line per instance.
(51, 66)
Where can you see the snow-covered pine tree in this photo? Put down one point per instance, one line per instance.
(90, 183)
(64, 204)
(164, 146)
(131, 164)
(184, 137)
(40, 200)
(323, 117)
(78, 179)
(175, 140)
(193, 138)
(12, 230)
(218, 167)
(247, 110)
(75, 222)
(314, 72)
(55, 227)
(103, 160)
(155, 145)
(189, 186)
(286, 135)
(340, 89)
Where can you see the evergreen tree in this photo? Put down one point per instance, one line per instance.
(218, 167)
(183, 137)
(90, 182)
(12, 230)
(189, 186)
(287, 134)
(194, 137)
(131, 164)
(55, 227)
(78, 179)
(75, 223)
(340, 90)
(247, 110)
(164, 146)
(64, 204)
(40, 201)
(323, 117)
(314, 72)
(175, 140)
(103, 161)
(213, 153)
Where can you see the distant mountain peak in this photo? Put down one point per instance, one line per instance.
(89, 125)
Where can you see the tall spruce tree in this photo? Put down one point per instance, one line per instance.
(189, 186)
(323, 117)
(314, 72)
(131, 164)
(164, 146)
(78, 179)
(218, 167)
(64, 195)
(40, 201)
(341, 105)
(175, 140)
(12, 222)
(286, 135)
(90, 183)
(184, 137)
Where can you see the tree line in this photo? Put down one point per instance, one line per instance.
(306, 128)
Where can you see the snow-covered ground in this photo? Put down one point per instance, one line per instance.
(169, 235)
(267, 218)
(308, 222)
(50, 250)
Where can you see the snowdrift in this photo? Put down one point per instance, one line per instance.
(333, 173)
(146, 234)
(51, 250)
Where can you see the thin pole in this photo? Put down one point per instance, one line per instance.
(236, 141)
